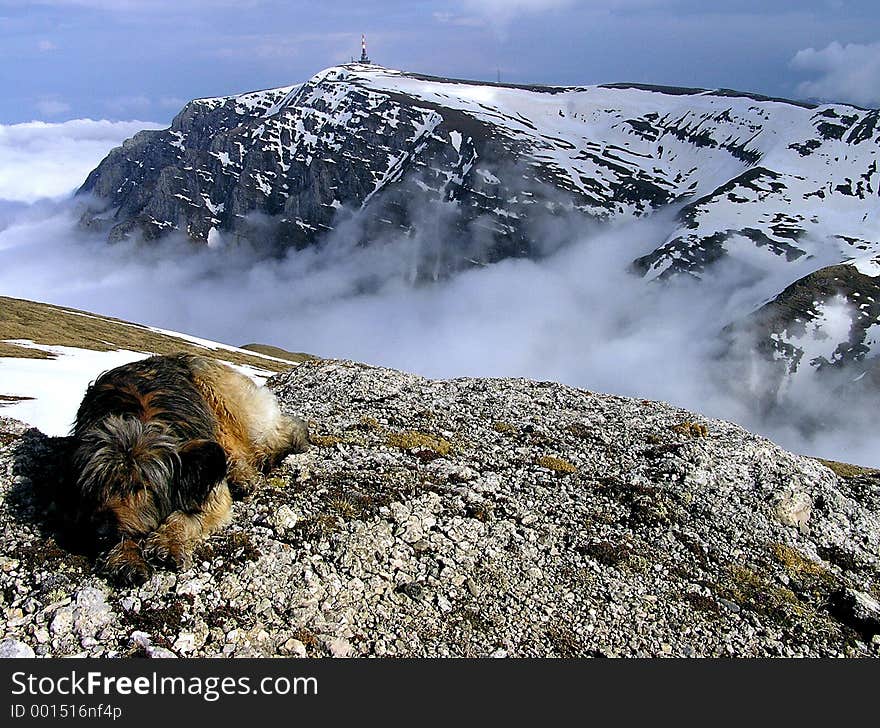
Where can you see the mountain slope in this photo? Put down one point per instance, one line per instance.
(49, 354)
(475, 518)
(767, 191)
(751, 170)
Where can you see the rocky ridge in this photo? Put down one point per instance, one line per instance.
(475, 517)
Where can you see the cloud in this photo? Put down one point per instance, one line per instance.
(848, 72)
(38, 159)
(51, 106)
(45, 45)
(465, 21)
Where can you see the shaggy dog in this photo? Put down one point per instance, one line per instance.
(156, 443)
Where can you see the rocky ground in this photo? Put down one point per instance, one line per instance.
(475, 517)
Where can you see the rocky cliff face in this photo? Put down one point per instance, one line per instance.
(476, 517)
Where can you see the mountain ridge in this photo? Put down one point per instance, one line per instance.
(472, 173)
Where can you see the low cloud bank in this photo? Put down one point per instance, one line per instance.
(848, 73)
(38, 159)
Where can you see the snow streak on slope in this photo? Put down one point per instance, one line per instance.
(43, 383)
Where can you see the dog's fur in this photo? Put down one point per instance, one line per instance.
(156, 444)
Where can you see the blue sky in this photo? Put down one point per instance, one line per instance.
(142, 59)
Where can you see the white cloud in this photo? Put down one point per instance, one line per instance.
(460, 20)
(45, 45)
(848, 72)
(38, 159)
(51, 106)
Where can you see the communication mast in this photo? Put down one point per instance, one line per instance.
(364, 57)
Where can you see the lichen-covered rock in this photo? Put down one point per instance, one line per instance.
(651, 541)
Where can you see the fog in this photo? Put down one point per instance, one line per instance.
(577, 316)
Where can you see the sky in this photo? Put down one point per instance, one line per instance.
(142, 59)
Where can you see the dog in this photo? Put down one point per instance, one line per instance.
(156, 445)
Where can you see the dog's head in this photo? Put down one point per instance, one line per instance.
(131, 475)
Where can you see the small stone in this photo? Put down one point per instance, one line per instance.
(41, 635)
(729, 605)
(130, 604)
(7, 564)
(412, 589)
(11, 648)
(421, 546)
(91, 612)
(339, 647)
(185, 642)
(284, 519)
(62, 622)
(139, 639)
(859, 610)
(159, 653)
(295, 648)
(795, 509)
(472, 587)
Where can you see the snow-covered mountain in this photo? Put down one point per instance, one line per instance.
(760, 182)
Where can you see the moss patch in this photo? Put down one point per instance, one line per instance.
(757, 592)
(690, 429)
(557, 465)
(799, 566)
(579, 430)
(50, 325)
(846, 470)
(278, 353)
(411, 439)
(505, 428)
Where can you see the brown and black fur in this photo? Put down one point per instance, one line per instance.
(157, 443)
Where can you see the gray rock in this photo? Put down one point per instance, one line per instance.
(616, 557)
(12, 648)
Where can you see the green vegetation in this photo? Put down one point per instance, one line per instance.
(690, 429)
(846, 470)
(557, 465)
(410, 439)
(278, 353)
(504, 428)
(50, 325)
